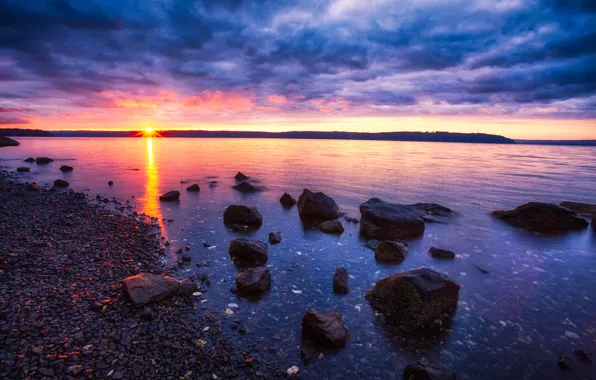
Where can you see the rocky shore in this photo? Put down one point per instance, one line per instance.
(62, 310)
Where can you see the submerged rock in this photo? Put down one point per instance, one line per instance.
(7, 141)
(242, 215)
(325, 329)
(415, 298)
(245, 187)
(29, 160)
(275, 237)
(110, 183)
(23, 169)
(146, 288)
(240, 177)
(586, 209)
(425, 371)
(170, 196)
(287, 200)
(341, 281)
(332, 227)
(583, 355)
(317, 206)
(439, 253)
(390, 251)
(563, 362)
(61, 183)
(66, 168)
(542, 217)
(253, 281)
(248, 252)
(43, 160)
(194, 188)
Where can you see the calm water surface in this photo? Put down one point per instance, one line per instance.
(536, 302)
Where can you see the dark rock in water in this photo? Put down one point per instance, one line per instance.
(213, 184)
(390, 251)
(245, 187)
(7, 141)
(542, 217)
(439, 253)
(187, 288)
(585, 209)
(147, 314)
(66, 168)
(349, 219)
(170, 196)
(287, 200)
(43, 160)
(110, 183)
(32, 186)
(61, 183)
(583, 356)
(341, 281)
(23, 169)
(372, 244)
(243, 215)
(240, 177)
(325, 329)
(425, 371)
(317, 206)
(194, 187)
(387, 221)
(248, 253)
(275, 237)
(415, 298)
(481, 270)
(332, 227)
(29, 160)
(563, 362)
(146, 288)
(253, 281)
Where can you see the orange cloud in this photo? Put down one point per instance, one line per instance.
(220, 101)
(141, 100)
(278, 99)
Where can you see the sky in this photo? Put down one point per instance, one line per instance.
(519, 68)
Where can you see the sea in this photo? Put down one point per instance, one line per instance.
(525, 298)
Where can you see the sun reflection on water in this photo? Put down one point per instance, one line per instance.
(150, 199)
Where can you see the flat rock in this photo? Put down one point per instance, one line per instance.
(287, 200)
(325, 329)
(439, 253)
(425, 371)
(243, 215)
(146, 288)
(7, 141)
(29, 160)
(61, 183)
(275, 237)
(341, 281)
(317, 206)
(194, 188)
(23, 169)
(381, 220)
(542, 217)
(414, 298)
(253, 281)
(240, 177)
(248, 252)
(332, 227)
(170, 196)
(66, 168)
(43, 160)
(391, 251)
(585, 209)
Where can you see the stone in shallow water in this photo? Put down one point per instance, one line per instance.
(43, 160)
(275, 237)
(317, 206)
(66, 168)
(194, 188)
(542, 217)
(22, 169)
(248, 252)
(439, 253)
(586, 209)
(187, 288)
(325, 329)
(29, 159)
(245, 187)
(341, 281)
(146, 288)
(425, 371)
(61, 183)
(240, 177)
(287, 200)
(242, 215)
(414, 298)
(332, 227)
(253, 281)
(391, 252)
(170, 196)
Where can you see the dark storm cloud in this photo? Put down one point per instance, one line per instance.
(464, 52)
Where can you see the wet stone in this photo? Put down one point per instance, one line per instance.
(275, 237)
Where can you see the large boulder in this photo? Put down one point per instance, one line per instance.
(242, 215)
(415, 298)
(381, 220)
(341, 281)
(43, 160)
(586, 209)
(391, 251)
(248, 252)
(542, 217)
(325, 329)
(253, 281)
(317, 206)
(61, 183)
(332, 227)
(7, 141)
(170, 196)
(287, 200)
(66, 168)
(426, 371)
(146, 288)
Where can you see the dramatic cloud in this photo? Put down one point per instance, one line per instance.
(185, 62)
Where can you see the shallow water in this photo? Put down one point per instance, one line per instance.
(536, 302)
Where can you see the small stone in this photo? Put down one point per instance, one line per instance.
(275, 237)
(66, 168)
(61, 183)
(332, 227)
(439, 253)
(147, 314)
(563, 362)
(23, 169)
(110, 183)
(583, 355)
(287, 200)
(194, 188)
(341, 280)
(425, 371)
